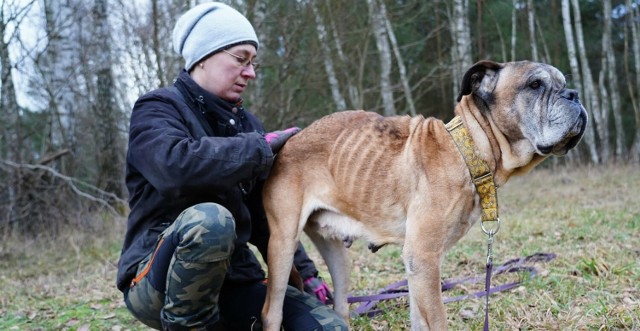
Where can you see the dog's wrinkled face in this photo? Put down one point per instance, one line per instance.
(542, 110)
(553, 118)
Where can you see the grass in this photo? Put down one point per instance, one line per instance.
(589, 217)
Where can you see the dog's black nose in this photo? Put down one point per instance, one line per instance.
(571, 95)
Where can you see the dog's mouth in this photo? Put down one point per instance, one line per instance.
(570, 140)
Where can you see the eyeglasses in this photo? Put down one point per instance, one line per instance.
(243, 61)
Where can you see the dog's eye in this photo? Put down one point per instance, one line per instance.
(535, 84)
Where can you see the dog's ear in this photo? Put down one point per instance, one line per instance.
(481, 79)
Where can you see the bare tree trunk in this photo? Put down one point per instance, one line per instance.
(353, 89)
(148, 57)
(384, 52)
(593, 100)
(461, 35)
(256, 12)
(443, 86)
(401, 67)
(514, 20)
(338, 99)
(603, 92)
(155, 41)
(546, 55)
(10, 140)
(556, 51)
(503, 46)
(109, 158)
(634, 92)
(10, 135)
(635, 38)
(576, 77)
(531, 18)
(478, 28)
(59, 69)
(612, 79)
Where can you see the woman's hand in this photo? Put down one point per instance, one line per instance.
(276, 139)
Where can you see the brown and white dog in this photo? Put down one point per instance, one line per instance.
(402, 180)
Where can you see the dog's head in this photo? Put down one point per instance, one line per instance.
(530, 101)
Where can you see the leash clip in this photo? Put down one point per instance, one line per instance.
(489, 232)
(490, 249)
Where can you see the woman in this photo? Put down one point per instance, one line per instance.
(195, 167)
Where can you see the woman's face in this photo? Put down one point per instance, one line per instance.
(227, 73)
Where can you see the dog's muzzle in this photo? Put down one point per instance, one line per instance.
(571, 138)
(575, 132)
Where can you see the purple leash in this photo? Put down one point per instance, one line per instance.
(487, 282)
(487, 289)
(398, 289)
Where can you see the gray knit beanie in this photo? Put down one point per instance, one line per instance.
(210, 27)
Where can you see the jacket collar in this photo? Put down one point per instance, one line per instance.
(197, 93)
(208, 103)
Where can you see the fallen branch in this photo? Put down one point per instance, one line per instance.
(72, 184)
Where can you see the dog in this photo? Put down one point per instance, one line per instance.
(404, 180)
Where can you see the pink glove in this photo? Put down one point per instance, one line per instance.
(276, 139)
(316, 286)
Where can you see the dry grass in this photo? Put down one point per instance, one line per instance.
(63, 284)
(589, 217)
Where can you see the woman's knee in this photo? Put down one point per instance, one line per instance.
(206, 232)
(305, 310)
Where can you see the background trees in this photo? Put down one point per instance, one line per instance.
(72, 69)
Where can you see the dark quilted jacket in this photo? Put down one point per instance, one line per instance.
(187, 146)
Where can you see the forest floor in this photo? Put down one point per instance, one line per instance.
(589, 217)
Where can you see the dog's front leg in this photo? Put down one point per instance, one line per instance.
(425, 292)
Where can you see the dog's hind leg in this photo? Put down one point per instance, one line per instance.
(335, 256)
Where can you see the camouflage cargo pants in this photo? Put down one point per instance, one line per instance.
(179, 286)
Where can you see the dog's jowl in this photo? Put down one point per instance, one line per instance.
(404, 180)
